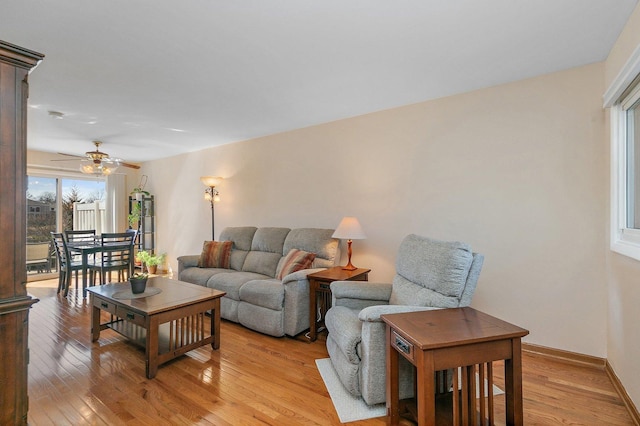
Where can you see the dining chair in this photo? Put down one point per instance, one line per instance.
(66, 264)
(116, 255)
(79, 236)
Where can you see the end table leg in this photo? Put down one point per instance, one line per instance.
(393, 393)
(513, 385)
(313, 306)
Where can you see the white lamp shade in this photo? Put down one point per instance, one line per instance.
(211, 180)
(349, 229)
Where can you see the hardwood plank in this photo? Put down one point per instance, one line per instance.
(251, 379)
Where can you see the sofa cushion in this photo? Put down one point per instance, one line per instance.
(200, 276)
(215, 254)
(241, 236)
(295, 260)
(266, 251)
(265, 293)
(314, 240)
(231, 282)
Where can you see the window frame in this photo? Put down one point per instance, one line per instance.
(626, 84)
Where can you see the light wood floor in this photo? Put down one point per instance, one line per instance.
(252, 380)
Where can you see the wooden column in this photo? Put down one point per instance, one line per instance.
(15, 64)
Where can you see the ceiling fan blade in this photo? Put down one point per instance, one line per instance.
(71, 155)
(69, 159)
(131, 166)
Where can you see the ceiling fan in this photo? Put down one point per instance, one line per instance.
(98, 162)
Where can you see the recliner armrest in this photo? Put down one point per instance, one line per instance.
(372, 313)
(359, 294)
(361, 290)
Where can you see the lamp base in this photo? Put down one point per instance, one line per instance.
(349, 267)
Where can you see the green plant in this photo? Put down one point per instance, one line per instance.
(149, 259)
(155, 260)
(140, 191)
(139, 276)
(136, 213)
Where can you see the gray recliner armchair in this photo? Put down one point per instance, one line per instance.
(430, 274)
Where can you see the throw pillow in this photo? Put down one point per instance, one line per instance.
(215, 254)
(295, 260)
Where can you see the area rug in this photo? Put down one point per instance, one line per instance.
(350, 408)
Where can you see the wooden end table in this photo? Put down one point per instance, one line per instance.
(320, 293)
(448, 339)
(166, 324)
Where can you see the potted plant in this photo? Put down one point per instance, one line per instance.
(138, 192)
(150, 261)
(138, 282)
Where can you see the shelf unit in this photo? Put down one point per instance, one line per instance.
(147, 223)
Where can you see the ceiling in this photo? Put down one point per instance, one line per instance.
(155, 78)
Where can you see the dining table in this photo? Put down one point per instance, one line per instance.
(85, 248)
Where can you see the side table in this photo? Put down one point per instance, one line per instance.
(457, 338)
(320, 293)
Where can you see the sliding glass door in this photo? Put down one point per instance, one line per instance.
(55, 204)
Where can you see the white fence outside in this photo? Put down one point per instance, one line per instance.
(89, 216)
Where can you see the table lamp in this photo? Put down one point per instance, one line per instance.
(349, 229)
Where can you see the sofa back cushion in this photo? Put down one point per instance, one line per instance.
(430, 272)
(266, 251)
(242, 236)
(314, 240)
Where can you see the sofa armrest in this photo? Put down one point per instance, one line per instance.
(188, 261)
(359, 294)
(372, 313)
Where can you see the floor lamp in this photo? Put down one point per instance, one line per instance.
(212, 195)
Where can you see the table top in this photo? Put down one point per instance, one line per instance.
(451, 327)
(175, 294)
(337, 274)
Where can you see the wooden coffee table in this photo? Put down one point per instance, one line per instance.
(167, 320)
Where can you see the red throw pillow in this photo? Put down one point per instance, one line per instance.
(215, 254)
(295, 260)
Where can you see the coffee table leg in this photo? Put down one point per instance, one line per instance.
(95, 321)
(151, 348)
(215, 325)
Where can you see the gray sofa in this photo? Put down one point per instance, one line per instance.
(254, 297)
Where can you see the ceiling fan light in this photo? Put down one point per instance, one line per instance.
(91, 168)
(87, 169)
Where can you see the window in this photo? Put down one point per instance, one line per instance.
(623, 98)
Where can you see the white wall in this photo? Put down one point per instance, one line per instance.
(623, 328)
(519, 171)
